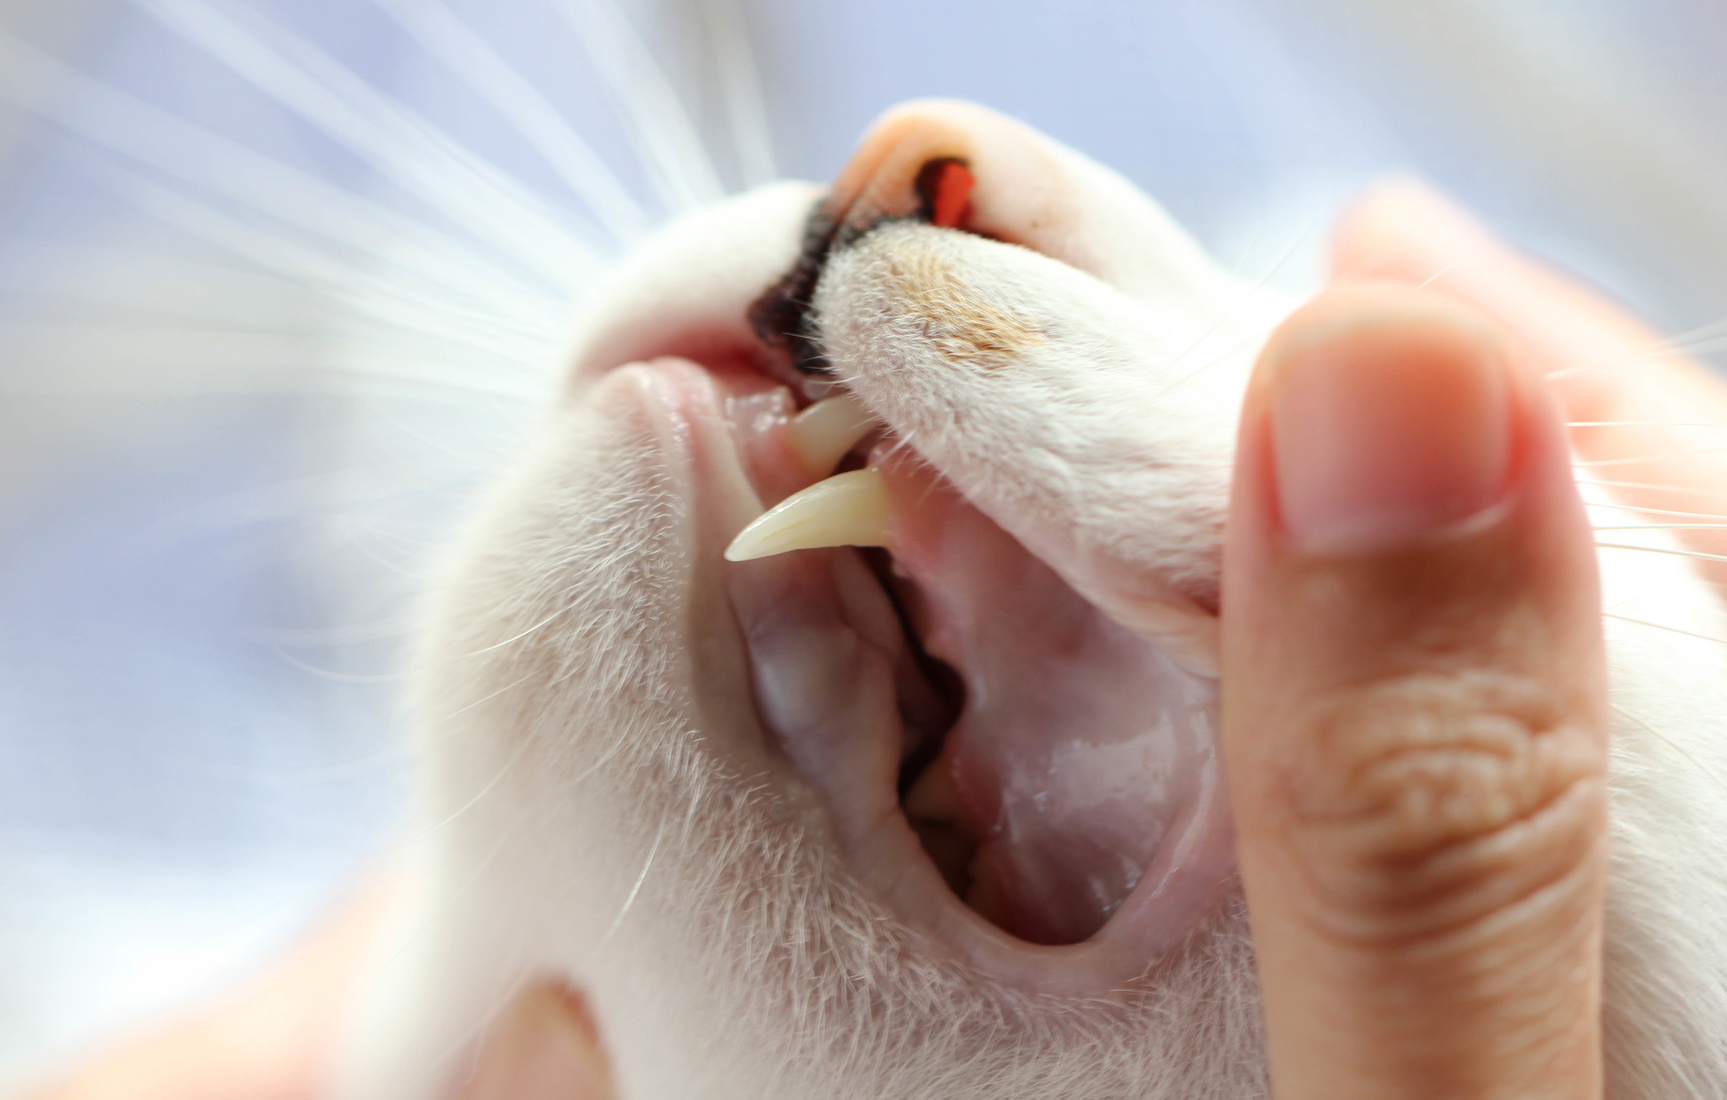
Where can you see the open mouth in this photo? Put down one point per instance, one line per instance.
(1042, 753)
(1045, 752)
(1011, 744)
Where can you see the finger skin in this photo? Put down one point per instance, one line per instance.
(1651, 420)
(1414, 738)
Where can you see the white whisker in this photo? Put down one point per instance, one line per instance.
(149, 136)
(1596, 463)
(513, 639)
(1663, 626)
(1235, 307)
(380, 298)
(1656, 511)
(1643, 424)
(546, 128)
(1438, 274)
(740, 91)
(331, 637)
(339, 677)
(395, 141)
(1652, 485)
(1663, 527)
(231, 359)
(635, 890)
(666, 139)
(1677, 552)
(1670, 743)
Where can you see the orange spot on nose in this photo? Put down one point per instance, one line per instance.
(950, 196)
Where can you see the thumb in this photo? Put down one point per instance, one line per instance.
(1413, 710)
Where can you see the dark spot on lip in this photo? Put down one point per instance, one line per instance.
(780, 317)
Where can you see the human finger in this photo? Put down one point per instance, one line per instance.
(1413, 713)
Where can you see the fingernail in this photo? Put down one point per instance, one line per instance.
(1386, 431)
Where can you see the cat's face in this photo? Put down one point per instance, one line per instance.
(938, 819)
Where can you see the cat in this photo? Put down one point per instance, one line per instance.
(794, 824)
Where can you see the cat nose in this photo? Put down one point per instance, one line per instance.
(961, 166)
(917, 161)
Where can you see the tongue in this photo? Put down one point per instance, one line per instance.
(1080, 743)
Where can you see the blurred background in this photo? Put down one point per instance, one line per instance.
(282, 280)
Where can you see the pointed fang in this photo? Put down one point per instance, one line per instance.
(849, 509)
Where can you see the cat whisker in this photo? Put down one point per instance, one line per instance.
(740, 91)
(666, 139)
(1674, 550)
(509, 763)
(1656, 511)
(438, 322)
(339, 677)
(311, 774)
(512, 640)
(635, 890)
(1439, 273)
(1655, 485)
(124, 126)
(122, 359)
(1683, 340)
(1257, 288)
(1663, 626)
(1644, 424)
(331, 637)
(404, 147)
(378, 298)
(1696, 764)
(1611, 366)
(1596, 463)
(322, 496)
(1662, 527)
(546, 129)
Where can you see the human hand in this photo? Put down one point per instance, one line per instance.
(1522, 1021)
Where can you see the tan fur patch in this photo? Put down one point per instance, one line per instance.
(960, 322)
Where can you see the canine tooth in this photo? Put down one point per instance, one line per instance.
(849, 509)
(824, 432)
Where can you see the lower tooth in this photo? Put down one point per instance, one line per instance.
(849, 509)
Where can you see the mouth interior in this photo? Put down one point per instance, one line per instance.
(1045, 757)
(1049, 797)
